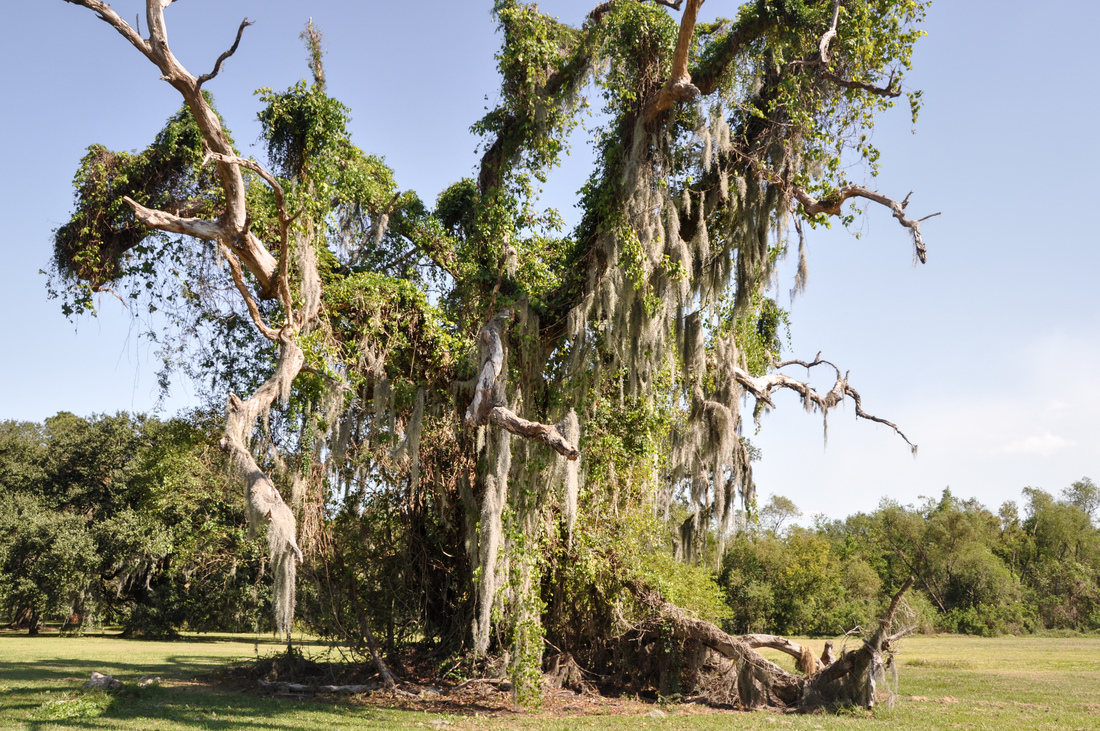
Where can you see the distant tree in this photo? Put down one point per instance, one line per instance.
(1085, 495)
(776, 512)
(123, 520)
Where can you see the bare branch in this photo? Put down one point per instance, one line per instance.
(233, 225)
(103, 10)
(546, 433)
(678, 87)
(238, 279)
(284, 220)
(831, 206)
(885, 622)
(477, 413)
(162, 221)
(762, 387)
(218, 64)
(808, 663)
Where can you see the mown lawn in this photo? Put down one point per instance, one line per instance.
(944, 682)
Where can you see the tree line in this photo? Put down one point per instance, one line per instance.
(977, 571)
(134, 522)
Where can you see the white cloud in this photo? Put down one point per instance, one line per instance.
(1043, 446)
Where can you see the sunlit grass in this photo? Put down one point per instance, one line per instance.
(944, 682)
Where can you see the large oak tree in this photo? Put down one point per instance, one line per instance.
(487, 428)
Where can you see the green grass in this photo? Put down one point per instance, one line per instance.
(944, 682)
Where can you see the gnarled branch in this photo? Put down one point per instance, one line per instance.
(234, 223)
(484, 409)
(831, 206)
(761, 387)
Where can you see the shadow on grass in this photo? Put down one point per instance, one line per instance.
(50, 702)
(181, 667)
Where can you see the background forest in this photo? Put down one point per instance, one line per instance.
(131, 521)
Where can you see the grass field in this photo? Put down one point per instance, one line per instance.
(944, 682)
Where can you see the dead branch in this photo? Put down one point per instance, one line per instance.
(826, 39)
(808, 663)
(762, 387)
(253, 310)
(281, 213)
(218, 64)
(545, 433)
(163, 221)
(678, 88)
(232, 227)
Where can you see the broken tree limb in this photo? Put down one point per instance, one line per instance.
(545, 433)
(808, 663)
(485, 408)
(849, 680)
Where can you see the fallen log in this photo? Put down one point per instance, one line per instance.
(849, 680)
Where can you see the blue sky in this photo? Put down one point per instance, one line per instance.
(986, 356)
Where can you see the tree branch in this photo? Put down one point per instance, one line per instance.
(889, 90)
(761, 387)
(218, 64)
(545, 433)
(162, 221)
(826, 39)
(678, 88)
(284, 221)
(233, 224)
(103, 10)
(831, 206)
(238, 279)
(483, 409)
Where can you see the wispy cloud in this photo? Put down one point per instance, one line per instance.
(1043, 446)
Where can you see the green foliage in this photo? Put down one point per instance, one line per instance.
(976, 573)
(90, 250)
(125, 520)
(301, 127)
